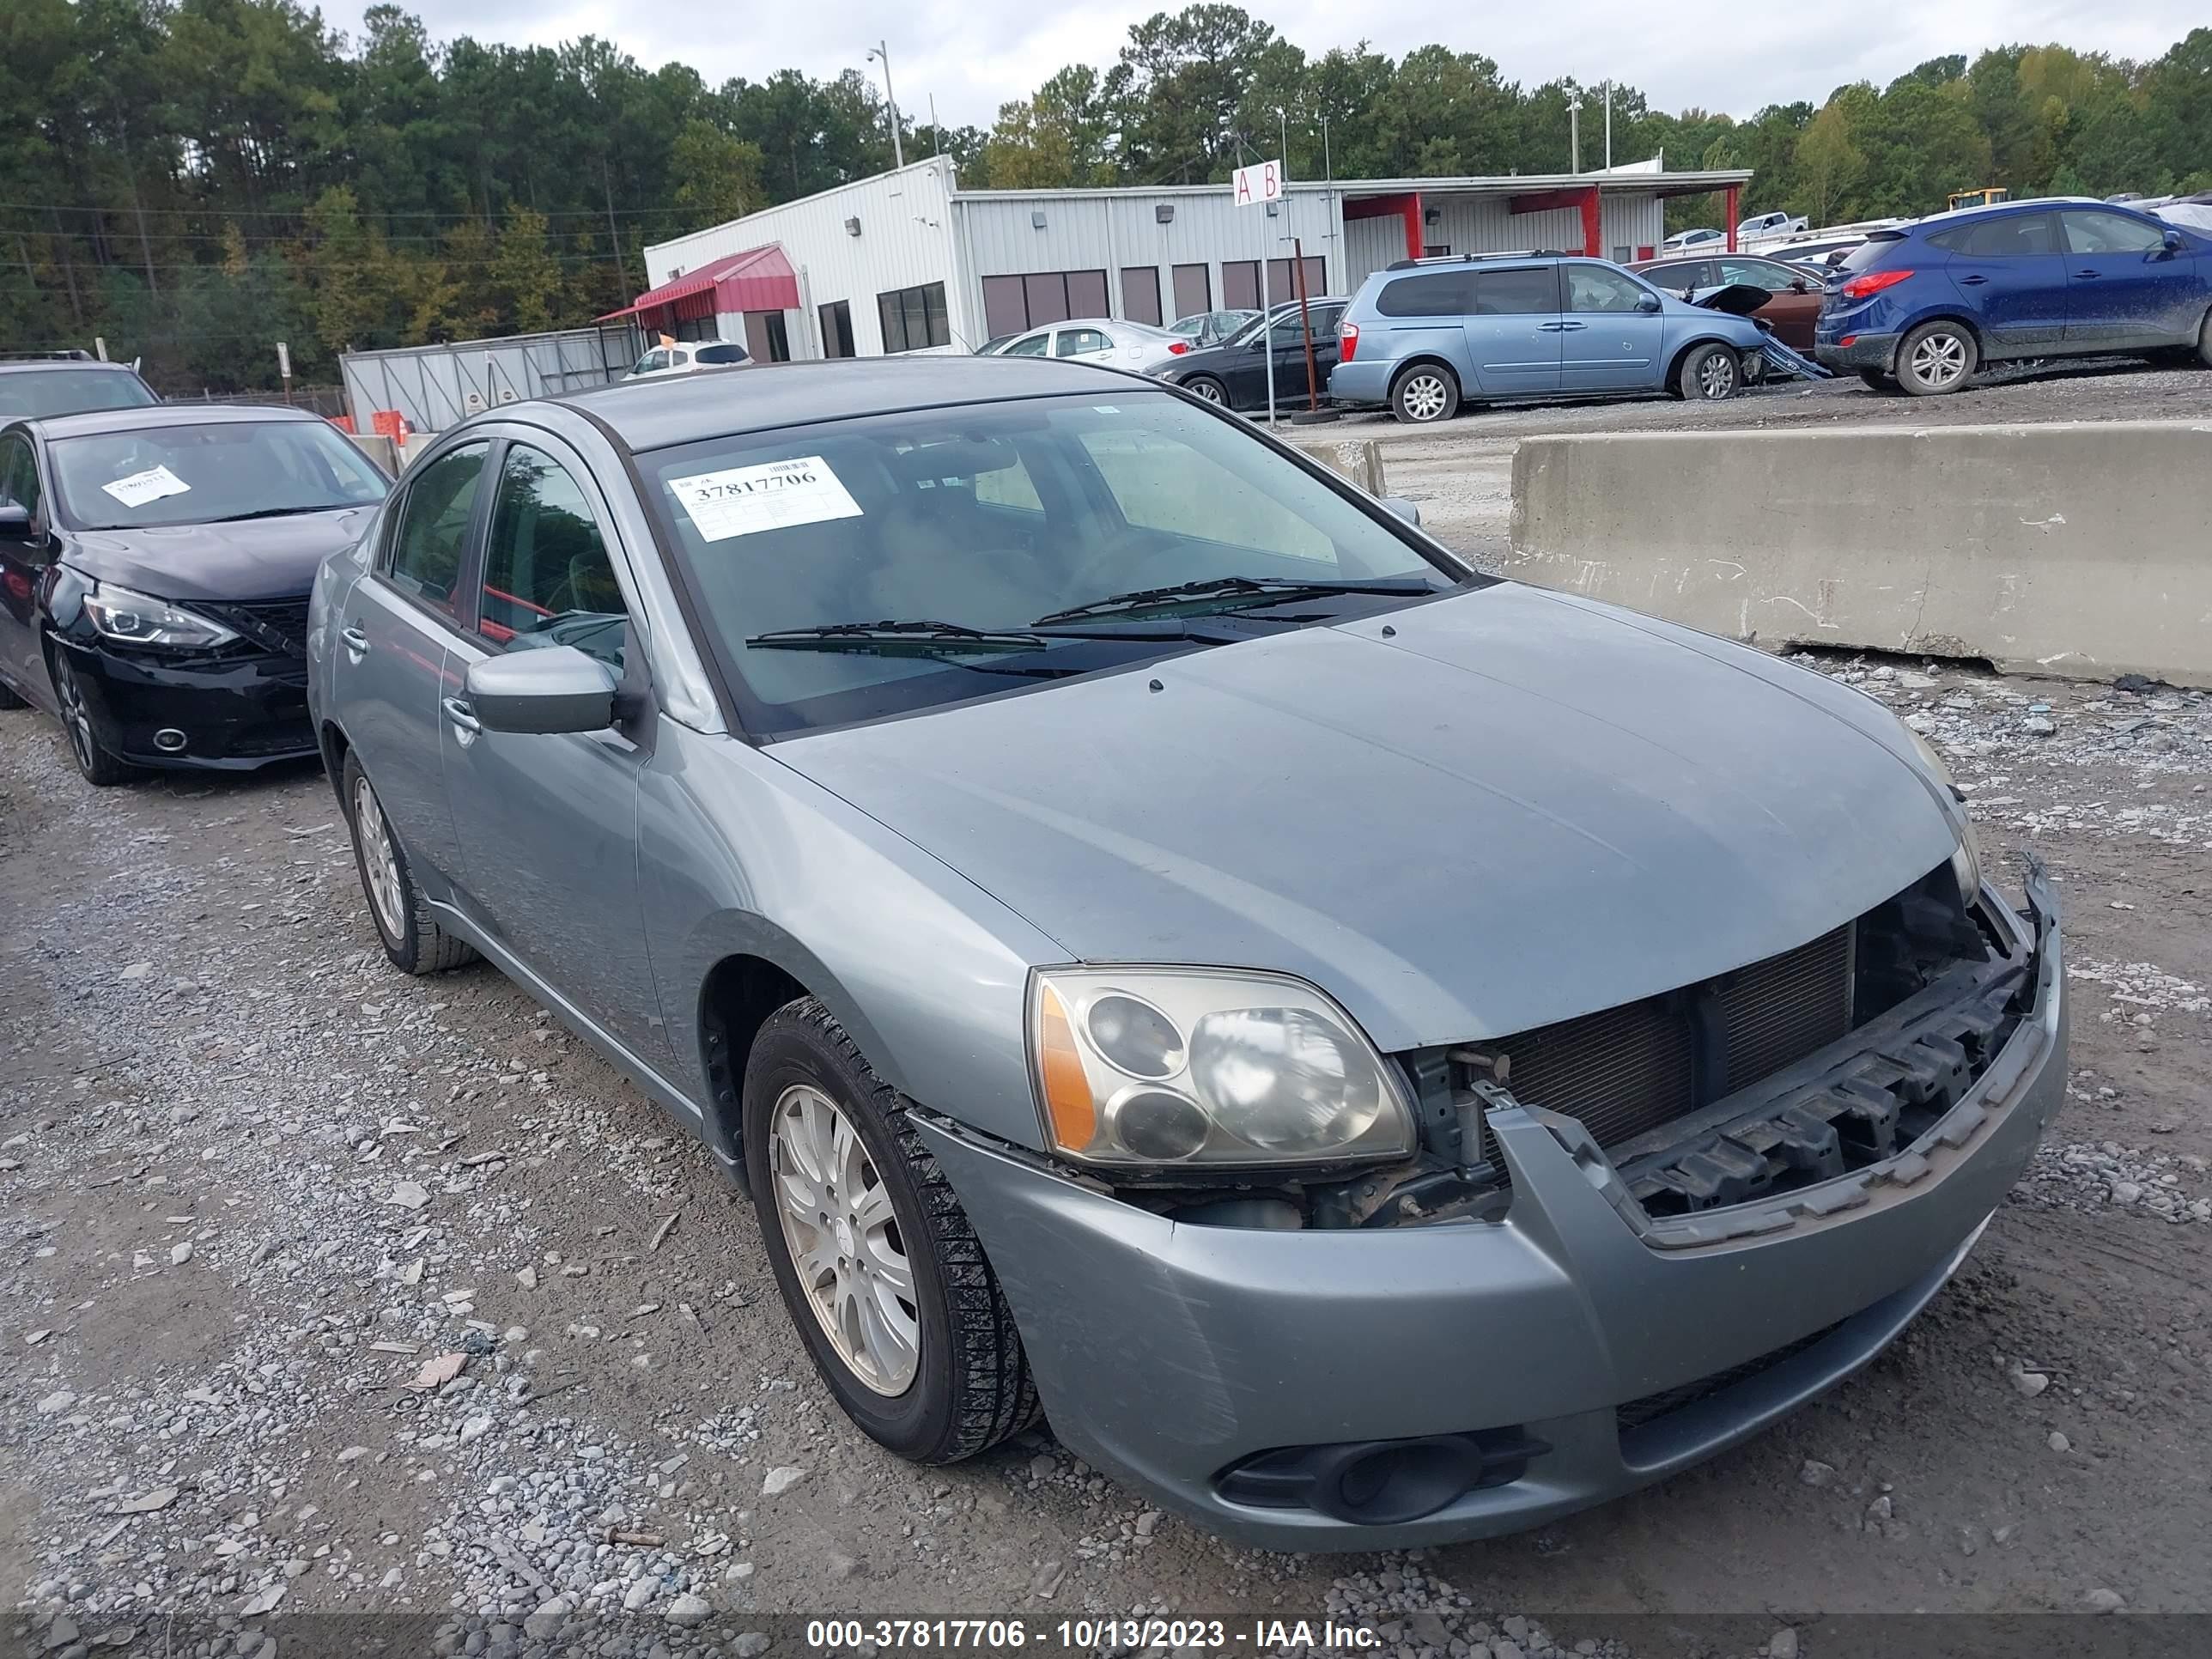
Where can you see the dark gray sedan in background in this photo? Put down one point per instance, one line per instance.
(1380, 1056)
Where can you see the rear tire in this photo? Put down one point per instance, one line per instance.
(1712, 373)
(415, 943)
(895, 1273)
(1425, 393)
(1206, 387)
(1936, 358)
(2204, 341)
(8, 698)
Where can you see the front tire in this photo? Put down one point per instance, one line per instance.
(1425, 393)
(1878, 379)
(9, 699)
(2204, 341)
(1712, 373)
(413, 941)
(879, 1264)
(1936, 358)
(1206, 387)
(94, 760)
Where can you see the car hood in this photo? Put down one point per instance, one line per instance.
(1514, 809)
(250, 559)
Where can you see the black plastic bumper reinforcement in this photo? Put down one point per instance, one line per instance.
(1650, 1407)
(1381, 1482)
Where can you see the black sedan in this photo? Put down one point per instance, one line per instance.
(1234, 372)
(154, 565)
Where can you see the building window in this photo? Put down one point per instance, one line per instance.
(837, 329)
(1240, 283)
(913, 318)
(1012, 305)
(1140, 294)
(1194, 291)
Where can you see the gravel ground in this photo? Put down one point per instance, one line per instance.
(1461, 472)
(327, 1291)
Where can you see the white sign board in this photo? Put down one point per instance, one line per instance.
(1261, 182)
(284, 360)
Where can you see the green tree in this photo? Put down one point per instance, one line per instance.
(718, 174)
(1829, 162)
(526, 277)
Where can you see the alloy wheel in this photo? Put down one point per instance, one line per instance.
(1938, 361)
(77, 717)
(1209, 390)
(380, 859)
(1716, 376)
(1424, 397)
(844, 1240)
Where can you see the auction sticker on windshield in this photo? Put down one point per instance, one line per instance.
(151, 485)
(743, 501)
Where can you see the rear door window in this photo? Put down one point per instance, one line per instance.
(1075, 342)
(548, 579)
(1516, 292)
(431, 533)
(1431, 294)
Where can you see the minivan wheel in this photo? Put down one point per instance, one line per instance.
(1205, 386)
(99, 767)
(1711, 374)
(1424, 394)
(881, 1271)
(415, 943)
(1936, 357)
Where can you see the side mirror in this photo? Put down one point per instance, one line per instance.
(15, 522)
(2174, 242)
(1799, 285)
(541, 691)
(1647, 303)
(1403, 508)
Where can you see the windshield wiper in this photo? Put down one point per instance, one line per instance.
(1263, 589)
(924, 638)
(284, 512)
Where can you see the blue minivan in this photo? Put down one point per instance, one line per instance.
(1426, 335)
(1923, 306)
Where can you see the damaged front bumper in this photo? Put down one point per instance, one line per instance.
(1397, 1386)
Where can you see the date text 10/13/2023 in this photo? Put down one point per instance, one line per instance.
(1085, 1635)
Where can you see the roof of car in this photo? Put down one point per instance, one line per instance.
(651, 414)
(33, 365)
(144, 416)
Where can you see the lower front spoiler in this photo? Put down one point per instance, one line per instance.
(231, 714)
(1170, 1353)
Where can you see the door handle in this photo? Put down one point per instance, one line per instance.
(355, 641)
(463, 717)
(2086, 273)
(1971, 282)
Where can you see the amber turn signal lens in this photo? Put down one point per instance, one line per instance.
(1068, 1097)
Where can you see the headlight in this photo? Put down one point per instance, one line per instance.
(1165, 1066)
(1966, 862)
(140, 619)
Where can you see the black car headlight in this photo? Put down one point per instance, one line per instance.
(1151, 1066)
(134, 618)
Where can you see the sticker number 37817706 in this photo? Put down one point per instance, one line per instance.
(743, 501)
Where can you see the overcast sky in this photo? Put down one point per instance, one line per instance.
(972, 55)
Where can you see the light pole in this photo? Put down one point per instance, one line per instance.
(881, 51)
(1574, 125)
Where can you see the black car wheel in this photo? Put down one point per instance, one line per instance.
(94, 758)
(1710, 373)
(881, 1271)
(1424, 394)
(1878, 379)
(2204, 341)
(415, 943)
(8, 697)
(1936, 357)
(1205, 386)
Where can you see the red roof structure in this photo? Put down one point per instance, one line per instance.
(759, 279)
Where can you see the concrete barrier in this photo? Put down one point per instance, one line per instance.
(2071, 549)
(1359, 460)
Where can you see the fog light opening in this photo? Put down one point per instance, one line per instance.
(169, 740)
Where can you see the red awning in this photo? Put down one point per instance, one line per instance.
(759, 279)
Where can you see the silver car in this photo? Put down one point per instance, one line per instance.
(1378, 1055)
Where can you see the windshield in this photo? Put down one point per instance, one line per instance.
(172, 475)
(69, 391)
(997, 517)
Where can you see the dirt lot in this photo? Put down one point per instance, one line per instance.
(254, 1183)
(1461, 472)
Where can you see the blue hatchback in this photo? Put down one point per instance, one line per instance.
(1426, 334)
(1925, 305)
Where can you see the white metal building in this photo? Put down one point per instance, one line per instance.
(907, 260)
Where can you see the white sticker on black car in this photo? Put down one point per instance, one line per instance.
(151, 485)
(741, 500)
